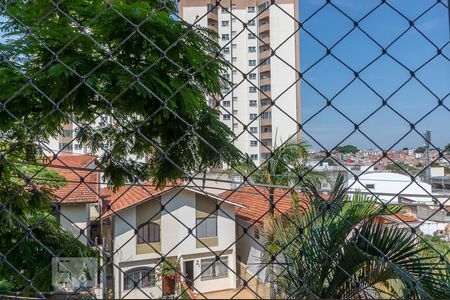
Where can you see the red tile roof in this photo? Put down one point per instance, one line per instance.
(256, 202)
(127, 196)
(82, 184)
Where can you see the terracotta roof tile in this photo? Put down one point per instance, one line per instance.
(256, 202)
(82, 185)
(127, 196)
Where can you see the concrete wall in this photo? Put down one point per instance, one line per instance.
(176, 219)
(75, 217)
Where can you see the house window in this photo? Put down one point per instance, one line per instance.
(252, 76)
(225, 37)
(233, 33)
(254, 156)
(207, 227)
(251, 9)
(252, 103)
(370, 186)
(263, 7)
(226, 117)
(253, 143)
(251, 22)
(252, 116)
(224, 10)
(254, 129)
(148, 233)
(265, 102)
(251, 36)
(252, 62)
(265, 88)
(266, 115)
(252, 89)
(251, 49)
(226, 50)
(65, 146)
(211, 269)
(139, 278)
(225, 23)
(226, 103)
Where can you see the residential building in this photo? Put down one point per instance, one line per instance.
(178, 223)
(264, 103)
(390, 187)
(77, 202)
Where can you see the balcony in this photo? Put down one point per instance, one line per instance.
(264, 68)
(264, 81)
(212, 16)
(264, 40)
(264, 14)
(264, 28)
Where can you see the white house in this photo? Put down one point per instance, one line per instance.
(389, 186)
(178, 223)
(77, 201)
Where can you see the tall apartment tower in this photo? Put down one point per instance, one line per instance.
(248, 32)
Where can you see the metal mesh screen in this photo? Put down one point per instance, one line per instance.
(202, 149)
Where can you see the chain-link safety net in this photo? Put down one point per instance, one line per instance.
(160, 149)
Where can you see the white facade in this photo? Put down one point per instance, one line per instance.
(175, 241)
(256, 82)
(387, 186)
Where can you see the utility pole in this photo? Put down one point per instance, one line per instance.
(427, 156)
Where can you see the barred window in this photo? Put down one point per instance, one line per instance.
(226, 103)
(253, 143)
(139, 278)
(212, 269)
(148, 233)
(252, 89)
(254, 129)
(226, 117)
(207, 227)
(253, 103)
(251, 9)
(254, 156)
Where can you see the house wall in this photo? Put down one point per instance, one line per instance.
(73, 218)
(178, 216)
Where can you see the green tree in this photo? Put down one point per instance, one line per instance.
(335, 248)
(131, 60)
(420, 149)
(30, 235)
(347, 149)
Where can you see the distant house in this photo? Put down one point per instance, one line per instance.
(178, 223)
(388, 187)
(77, 201)
(249, 226)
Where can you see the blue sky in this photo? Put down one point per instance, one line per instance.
(357, 101)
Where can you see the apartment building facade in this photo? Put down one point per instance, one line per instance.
(261, 42)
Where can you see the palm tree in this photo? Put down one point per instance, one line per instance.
(338, 248)
(285, 169)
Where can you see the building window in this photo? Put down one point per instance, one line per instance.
(266, 128)
(252, 62)
(263, 7)
(266, 115)
(148, 233)
(67, 133)
(267, 142)
(254, 129)
(252, 116)
(251, 22)
(234, 59)
(224, 10)
(139, 278)
(65, 146)
(256, 233)
(265, 155)
(225, 23)
(253, 143)
(251, 9)
(77, 146)
(235, 99)
(226, 117)
(233, 19)
(233, 33)
(265, 102)
(233, 46)
(226, 50)
(226, 103)
(252, 76)
(265, 88)
(226, 76)
(225, 37)
(211, 269)
(265, 61)
(251, 49)
(207, 227)
(252, 103)
(251, 36)
(252, 89)
(370, 186)
(254, 156)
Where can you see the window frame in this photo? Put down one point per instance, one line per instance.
(203, 222)
(137, 281)
(141, 237)
(208, 268)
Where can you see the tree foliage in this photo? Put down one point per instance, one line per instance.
(30, 235)
(130, 60)
(347, 149)
(337, 248)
